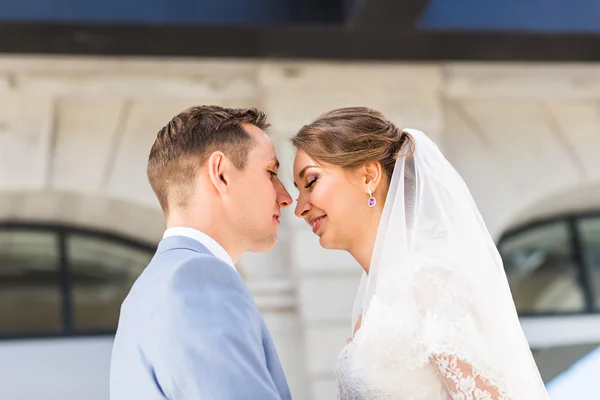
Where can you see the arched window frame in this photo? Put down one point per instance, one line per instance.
(63, 232)
(577, 248)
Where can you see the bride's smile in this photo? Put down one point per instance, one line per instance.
(315, 223)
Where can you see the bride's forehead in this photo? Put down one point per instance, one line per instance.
(301, 159)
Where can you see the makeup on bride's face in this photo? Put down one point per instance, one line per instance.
(326, 201)
(306, 180)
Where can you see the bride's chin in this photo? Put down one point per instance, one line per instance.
(324, 245)
(327, 244)
(323, 242)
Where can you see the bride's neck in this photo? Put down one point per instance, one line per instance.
(364, 241)
(363, 250)
(363, 257)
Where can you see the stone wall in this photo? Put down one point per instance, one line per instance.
(75, 135)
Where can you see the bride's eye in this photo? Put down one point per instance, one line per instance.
(311, 183)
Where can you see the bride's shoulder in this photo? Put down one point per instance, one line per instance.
(380, 316)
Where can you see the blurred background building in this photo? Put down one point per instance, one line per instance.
(509, 90)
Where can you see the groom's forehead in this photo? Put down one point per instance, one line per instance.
(264, 149)
(263, 154)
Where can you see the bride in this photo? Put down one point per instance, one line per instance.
(434, 317)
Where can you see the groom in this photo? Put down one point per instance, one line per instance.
(189, 328)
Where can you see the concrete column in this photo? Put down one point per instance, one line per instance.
(326, 280)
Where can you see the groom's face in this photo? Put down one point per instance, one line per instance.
(258, 195)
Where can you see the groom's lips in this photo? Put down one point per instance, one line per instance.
(276, 218)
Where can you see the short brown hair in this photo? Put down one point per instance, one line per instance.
(187, 141)
(352, 137)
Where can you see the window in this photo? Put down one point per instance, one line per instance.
(554, 362)
(30, 291)
(101, 273)
(58, 280)
(590, 238)
(541, 270)
(554, 266)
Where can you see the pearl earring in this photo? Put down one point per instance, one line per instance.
(372, 200)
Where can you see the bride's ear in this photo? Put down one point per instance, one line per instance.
(373, 174)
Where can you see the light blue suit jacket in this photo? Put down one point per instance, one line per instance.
(189, 329)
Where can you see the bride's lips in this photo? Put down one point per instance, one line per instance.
(316, 222)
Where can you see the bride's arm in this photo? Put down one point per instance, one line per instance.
(358, 323)
(356, 328)
(455, 329)
(462, 380)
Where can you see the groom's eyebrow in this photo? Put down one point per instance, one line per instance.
(276, 162)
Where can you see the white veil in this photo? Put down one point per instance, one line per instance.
(437, 268)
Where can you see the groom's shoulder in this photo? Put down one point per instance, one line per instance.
(202, 268)
(188, 264)
(204, 285)
(197, 273)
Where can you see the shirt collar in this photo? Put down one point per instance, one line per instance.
(212, 245)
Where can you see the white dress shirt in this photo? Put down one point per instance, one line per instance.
(205, 240)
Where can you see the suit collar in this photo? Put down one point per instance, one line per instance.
(176, 238)
(182, 242)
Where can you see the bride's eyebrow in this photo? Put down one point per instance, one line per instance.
(302, 172)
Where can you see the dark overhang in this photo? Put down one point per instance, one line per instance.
(400, 15)
(302, 42)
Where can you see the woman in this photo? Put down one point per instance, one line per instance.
(434, 317)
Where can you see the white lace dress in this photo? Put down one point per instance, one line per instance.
(377, 364)
(397, 383)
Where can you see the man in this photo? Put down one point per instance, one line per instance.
(189, 328)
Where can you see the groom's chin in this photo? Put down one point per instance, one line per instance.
(265, 244)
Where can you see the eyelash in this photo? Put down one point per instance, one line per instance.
(311, 183)
(273, 174)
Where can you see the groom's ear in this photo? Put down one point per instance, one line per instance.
(217, 171)
(372, 175)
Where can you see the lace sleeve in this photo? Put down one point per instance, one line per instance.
(462, 381)
(469, 359)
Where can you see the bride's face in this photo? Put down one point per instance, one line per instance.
(332, 201)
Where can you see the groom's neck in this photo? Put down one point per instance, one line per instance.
(207, 223)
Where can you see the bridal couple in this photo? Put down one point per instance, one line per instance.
(434, 317)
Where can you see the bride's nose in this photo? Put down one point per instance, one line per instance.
(302, 207)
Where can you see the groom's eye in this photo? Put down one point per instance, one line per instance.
(273, 174)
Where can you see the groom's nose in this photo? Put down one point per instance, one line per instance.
(283, 197)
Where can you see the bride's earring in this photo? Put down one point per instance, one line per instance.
(372, 200)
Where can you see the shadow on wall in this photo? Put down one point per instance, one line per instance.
(570, 200)
(93, 212)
